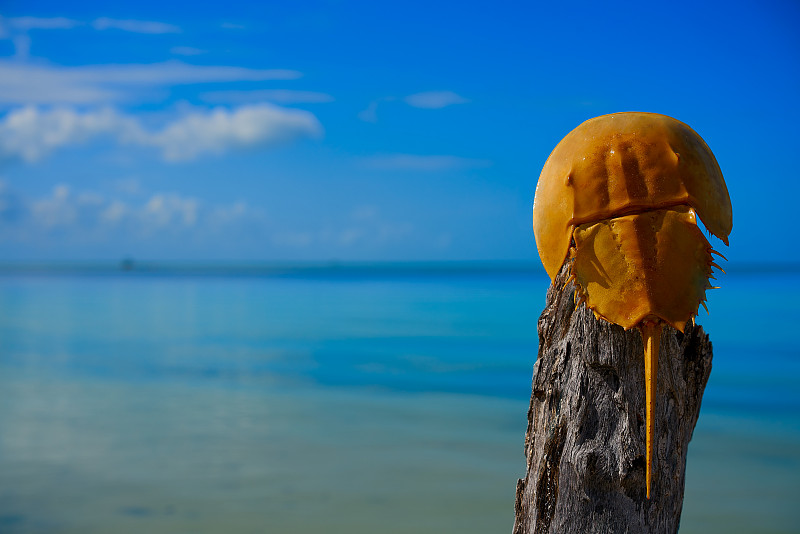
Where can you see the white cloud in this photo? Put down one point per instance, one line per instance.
(31, 133)
(46, 84)
(66, 221)
(364, 213)
(58, 209)
(12, 208)
(16, 29)
(92, 214)
(350, 236)
(221, 130)
(40, 23)
(230, 213)
(171, 210)
(65, 209)
(282, 96)
(231, 26)
(24, 24)
(435, 99)
(292, 239)
(177, 214)
(115, 212)
(367, 233)
(135, 26)
(186, 51)
(22, 46)
(128, 186)
(371, 113)
(413, 162)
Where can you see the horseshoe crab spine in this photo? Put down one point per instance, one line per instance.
(651, 336)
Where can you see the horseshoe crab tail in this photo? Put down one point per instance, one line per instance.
(651, 335)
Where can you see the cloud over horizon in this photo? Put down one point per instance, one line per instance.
(435, 99)
(75, 215)
(134, 26)
(162, 222)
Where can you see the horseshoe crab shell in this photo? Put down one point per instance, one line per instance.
(621, 164)
(620, 195)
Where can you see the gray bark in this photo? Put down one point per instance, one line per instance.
(585, 444)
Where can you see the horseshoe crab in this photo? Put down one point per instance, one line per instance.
(619, 198)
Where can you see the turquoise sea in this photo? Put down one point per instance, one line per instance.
(340, 399)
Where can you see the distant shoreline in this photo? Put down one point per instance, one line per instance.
(322, 269)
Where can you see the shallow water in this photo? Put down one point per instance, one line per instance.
(339, 400)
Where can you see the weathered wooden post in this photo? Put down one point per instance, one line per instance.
(618, 382)
(585, 444)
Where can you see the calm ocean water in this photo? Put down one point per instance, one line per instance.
(341, 400)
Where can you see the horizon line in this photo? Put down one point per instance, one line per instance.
(298, 267)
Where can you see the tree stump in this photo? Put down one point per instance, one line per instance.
(585, 443)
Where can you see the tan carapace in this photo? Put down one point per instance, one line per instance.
(620, 196)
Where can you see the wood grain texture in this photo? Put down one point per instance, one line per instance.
(585, 443)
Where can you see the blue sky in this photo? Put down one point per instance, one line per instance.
(366, 130)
